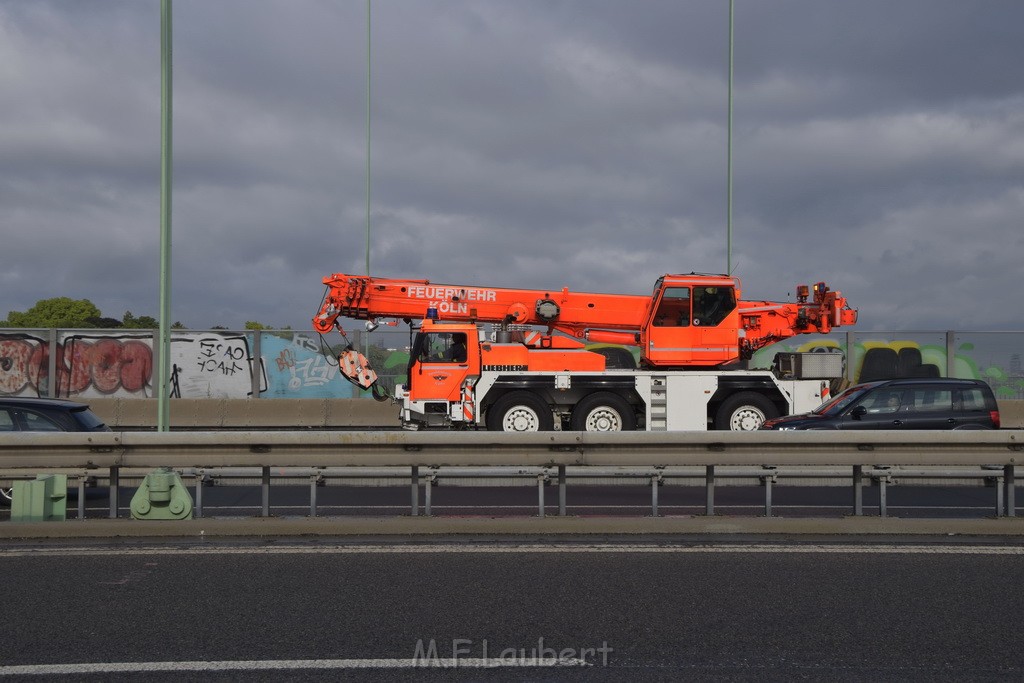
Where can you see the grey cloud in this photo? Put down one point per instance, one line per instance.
(520, 143)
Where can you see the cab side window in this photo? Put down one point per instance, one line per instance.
(711, 305)
(6, 421)
(674, 308)
(444, 347)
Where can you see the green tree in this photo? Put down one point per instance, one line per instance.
(59, 311)
(143, 322)
(104, 323)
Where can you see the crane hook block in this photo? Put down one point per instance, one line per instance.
(162, 495)
(356, 369)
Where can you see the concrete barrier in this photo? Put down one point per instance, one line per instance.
(1011, 414)
(214, 413)
(302, 413)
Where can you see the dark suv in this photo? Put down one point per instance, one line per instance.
(939, 403)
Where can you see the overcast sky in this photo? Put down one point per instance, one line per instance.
(878, 146)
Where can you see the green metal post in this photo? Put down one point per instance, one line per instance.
(163, 369)
(368, 137)
(366, 346)
(728, 219)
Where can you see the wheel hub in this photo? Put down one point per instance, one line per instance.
(604, 420)
(521, 420)
(747, 419)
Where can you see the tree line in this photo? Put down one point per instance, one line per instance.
(66, 312)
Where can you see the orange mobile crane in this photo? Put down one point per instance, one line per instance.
(693, 332)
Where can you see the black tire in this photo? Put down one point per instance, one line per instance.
(603, 412)
(5, 496)
(520, 411)
(745, 411)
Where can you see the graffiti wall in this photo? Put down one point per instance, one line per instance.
(83, 365)
(224, 364)
(994, 357)
(203, 365)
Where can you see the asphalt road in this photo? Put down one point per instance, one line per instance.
(703, 610)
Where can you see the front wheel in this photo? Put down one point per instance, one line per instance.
(520, 411)
(745, 412)
(603, 412)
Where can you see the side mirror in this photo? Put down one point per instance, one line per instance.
(858, 412)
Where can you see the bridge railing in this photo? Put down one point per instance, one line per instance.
(856, 457)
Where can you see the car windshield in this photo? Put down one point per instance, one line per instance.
(840, 402)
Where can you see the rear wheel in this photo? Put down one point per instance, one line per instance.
(520, 411)
(745, 412)
(603, 412)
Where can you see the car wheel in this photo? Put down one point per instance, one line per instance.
(745, 412)
(603, 412)
(520, 411)
(5, 495)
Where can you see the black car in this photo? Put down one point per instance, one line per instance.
(921, 403)
(45, 415)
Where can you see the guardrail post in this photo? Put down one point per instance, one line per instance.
(883, 482)
(561, 491)
(428, 493)
(709, 487)
(858, 490)
(115, 483)
(540, 494)
(81, 494)
(768, 480)
(266, 490)
(654, 495)
(999, 496)
(415, 491)
(313, 481)
(198, 509)
(1008, 484)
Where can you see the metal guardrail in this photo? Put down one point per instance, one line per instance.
(881, 457)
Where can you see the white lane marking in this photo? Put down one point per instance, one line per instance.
(501, 548)
(283, 664)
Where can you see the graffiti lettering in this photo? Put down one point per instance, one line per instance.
(108, 365)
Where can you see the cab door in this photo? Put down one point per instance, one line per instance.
(670, 336)
(716, 318)
(440, 366)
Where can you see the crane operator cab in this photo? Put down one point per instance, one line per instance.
(711, 305)
(693, 322)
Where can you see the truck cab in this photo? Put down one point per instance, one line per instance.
(443, 362)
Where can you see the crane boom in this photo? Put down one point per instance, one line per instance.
(692, 320)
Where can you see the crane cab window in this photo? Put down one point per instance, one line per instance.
(711, 305)
(442, 347)
(674, 308)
